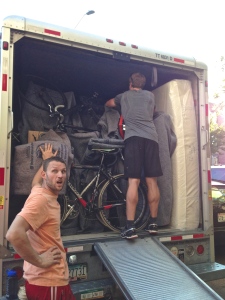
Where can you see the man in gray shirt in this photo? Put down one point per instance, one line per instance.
(141, 150)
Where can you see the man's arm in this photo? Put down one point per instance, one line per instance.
(111, 103)
(17, 236)
(46, 153)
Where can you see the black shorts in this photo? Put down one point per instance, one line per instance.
(141, 158)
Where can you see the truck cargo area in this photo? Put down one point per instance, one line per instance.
(91, 75)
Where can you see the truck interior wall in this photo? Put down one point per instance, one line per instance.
(82, 72)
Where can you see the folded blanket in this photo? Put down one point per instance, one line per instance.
(28, 159)
(79, 142)
(108, 123)
(167, 144)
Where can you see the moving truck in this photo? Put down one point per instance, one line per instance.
(46, 68)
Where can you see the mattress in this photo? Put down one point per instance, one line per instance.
(175, 98)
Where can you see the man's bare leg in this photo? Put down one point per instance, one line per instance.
(132, 198)
(153, 201)
(131, 202)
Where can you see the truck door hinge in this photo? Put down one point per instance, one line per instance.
(121, 56)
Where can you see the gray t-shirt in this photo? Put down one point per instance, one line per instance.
(137, 108)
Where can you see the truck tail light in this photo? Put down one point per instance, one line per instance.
(200, 249)
(19, 272)
(4, 82)
(5, 45)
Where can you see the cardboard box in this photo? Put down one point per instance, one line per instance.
(33, 136)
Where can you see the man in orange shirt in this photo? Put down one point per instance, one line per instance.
(35, 233)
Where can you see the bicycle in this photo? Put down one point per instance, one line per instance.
(108, 197)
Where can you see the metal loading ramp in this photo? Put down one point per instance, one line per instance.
(145, 269)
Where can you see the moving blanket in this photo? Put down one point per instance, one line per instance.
(34, 118)
(167, 145)
(176, 99)
(79, 142)
(107, 128)
(28, 159)
(108, 123)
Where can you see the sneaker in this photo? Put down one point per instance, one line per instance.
(152, 228)
(128, 233)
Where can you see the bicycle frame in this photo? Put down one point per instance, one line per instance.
(95, 180)
(79, 196)
(89, 205)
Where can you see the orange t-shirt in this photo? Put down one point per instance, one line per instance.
(42, 211)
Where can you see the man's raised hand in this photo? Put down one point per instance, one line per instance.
(47, 151)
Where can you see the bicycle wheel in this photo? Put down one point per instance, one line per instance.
(112, 204)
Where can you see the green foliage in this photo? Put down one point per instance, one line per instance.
(217, 133)
(217, 139)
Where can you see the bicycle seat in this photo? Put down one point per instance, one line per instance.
(105, 145)
(106, 151)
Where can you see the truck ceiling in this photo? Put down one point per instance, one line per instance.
(82, 71)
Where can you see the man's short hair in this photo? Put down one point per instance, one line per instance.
(137, 80)
(46, 162)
